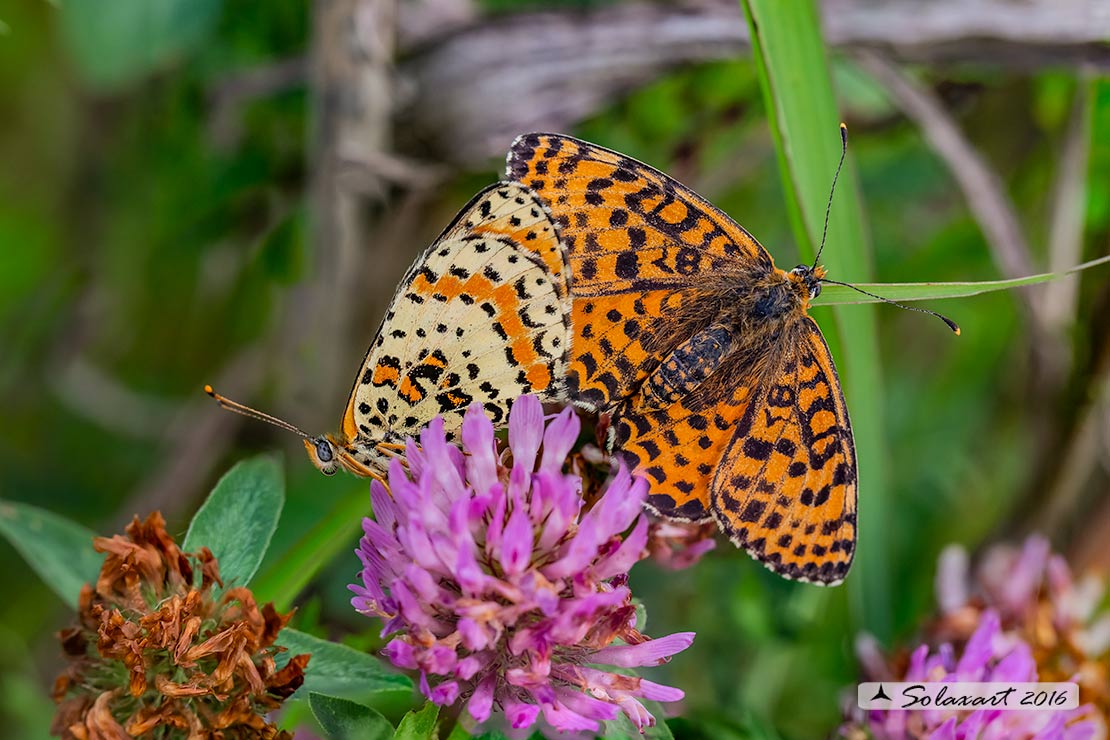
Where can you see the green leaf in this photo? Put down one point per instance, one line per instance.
(281, 581)
(458, 732)
(117, 42)
(622, 728)
(58, 550)
(794, 75)
(343, 719)
(338, 669)
(418, 724)
(239, 518)
(837, 295)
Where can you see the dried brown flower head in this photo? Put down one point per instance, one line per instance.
(158, 651)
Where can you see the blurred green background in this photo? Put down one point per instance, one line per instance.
(226, 191)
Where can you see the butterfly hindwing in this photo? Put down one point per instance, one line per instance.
(786, 487)
(678, 449)
(480, 316)
(774, 462)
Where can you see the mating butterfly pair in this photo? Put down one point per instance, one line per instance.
(590, 278)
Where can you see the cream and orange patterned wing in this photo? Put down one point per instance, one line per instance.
(482, 315)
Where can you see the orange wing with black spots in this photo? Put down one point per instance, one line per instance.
(786, 487)
(773, 462)
(638, 244)
(677, 448)
(721, 389)
(626, 226)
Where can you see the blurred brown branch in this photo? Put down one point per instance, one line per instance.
(104, 400)
(1076, 498)
(1069, 211)
(351, 86)
(478, 87)
(469, 88)
(985, 192)
(372, 172)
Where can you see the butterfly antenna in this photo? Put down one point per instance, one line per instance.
(828, 207)
(239, 408)
(951, 324)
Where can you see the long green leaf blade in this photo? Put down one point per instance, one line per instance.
(790, 58)
(839, 295)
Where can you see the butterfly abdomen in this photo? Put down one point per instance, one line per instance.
(687, 367)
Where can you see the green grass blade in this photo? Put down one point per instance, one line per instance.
(839, 295)
(790, 58)
(337, 532)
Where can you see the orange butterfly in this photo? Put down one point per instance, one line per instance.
(721, 388)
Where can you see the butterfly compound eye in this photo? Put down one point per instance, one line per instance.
(323, 451)
(814, 290)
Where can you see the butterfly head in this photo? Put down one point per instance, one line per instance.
(328, 454)
(807, 281)
(323, 452)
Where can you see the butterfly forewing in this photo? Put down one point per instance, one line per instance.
(480, 316)
(633, 238)
(636, 226)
